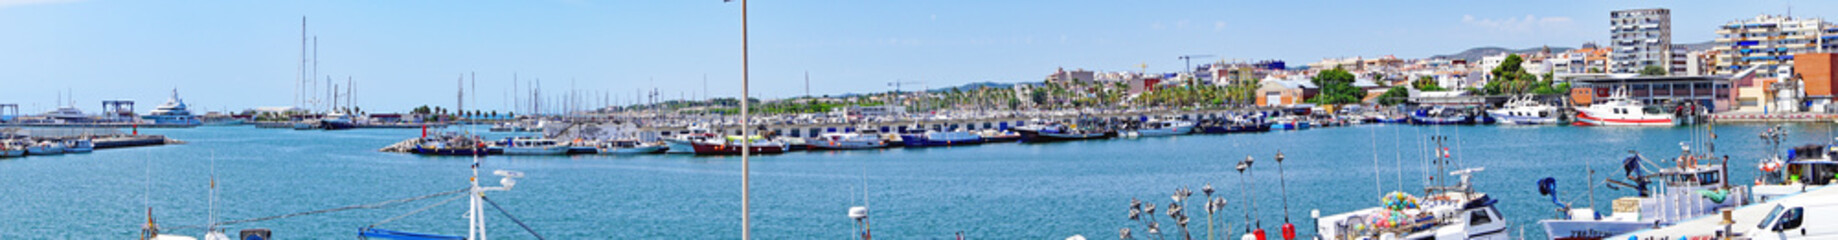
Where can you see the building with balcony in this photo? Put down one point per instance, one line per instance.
(1768, 43)
(1640, 38)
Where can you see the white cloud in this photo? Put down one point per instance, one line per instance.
(1529, 24)
(16, 3)
(1218, 25)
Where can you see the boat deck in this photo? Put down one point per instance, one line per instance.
(1745, 217)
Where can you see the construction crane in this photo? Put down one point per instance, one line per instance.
(1189, 60)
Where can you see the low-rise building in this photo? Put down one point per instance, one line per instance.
(1286, 92)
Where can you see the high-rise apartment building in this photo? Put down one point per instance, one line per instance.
(1768, 43)
(1640, 38)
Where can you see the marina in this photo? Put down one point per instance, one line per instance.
(908, 184)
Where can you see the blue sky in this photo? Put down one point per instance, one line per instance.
(244, 54)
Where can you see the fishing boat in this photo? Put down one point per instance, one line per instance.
(46, 148)
(79, 145)
(1054, 132)
(1446, 212)
(10, 148)
(1525, 111)
(1440, 116)
(1619, 110)
(172, 114)
(685, 143)
(531, 146)
(1235, 124)
(1160, 128)
(627, 147)
(1803, 167)
(1290, 123)
(733, 145)
(847, 141)
(940, 138)
(1665, 197)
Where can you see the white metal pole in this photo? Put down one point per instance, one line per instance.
(746, 149)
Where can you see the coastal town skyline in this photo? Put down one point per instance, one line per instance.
(231, 57)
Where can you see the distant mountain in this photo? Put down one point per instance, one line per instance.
(1475, 54)
(975, 85)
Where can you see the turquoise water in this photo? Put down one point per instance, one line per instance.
(995, 191)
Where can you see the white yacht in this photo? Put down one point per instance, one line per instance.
(1525, 111)
(173, 113)
(1158, 128)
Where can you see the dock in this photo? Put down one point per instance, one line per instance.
(1745, 217)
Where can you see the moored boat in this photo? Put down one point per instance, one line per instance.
(531, 146)
(172, 114)
(1445, 212)
(625, 147)
(733, 145)
(1440, 116)
(847, 141)
(1665, 197)
(10, 148)
(1160, 128)
(46, 148)
(1525, 111)
(79, 145)
(940, 138)
(1059, 132)
(1619, 110)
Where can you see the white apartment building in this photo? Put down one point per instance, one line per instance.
(1769, 42)
(1640, 38)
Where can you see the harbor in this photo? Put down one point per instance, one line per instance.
(1073, 180)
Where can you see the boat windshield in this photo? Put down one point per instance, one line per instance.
(1654, 110)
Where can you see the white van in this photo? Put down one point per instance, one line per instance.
(1799, 220)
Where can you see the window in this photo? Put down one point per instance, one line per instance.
(1479, 217)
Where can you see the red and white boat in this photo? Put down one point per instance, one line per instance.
(732, 145)
(1619, 110)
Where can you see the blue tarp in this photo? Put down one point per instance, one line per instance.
(389, 234)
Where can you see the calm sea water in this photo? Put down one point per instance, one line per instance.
(995, 191)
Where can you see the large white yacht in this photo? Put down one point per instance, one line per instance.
(173, 113)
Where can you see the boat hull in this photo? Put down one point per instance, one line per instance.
(679, 146)
(635, 150)
(1586, 119)
(1522, 120)
(12, 153)
(922, 141)
(1028, 136)
(551, 150)
(846, 145)
(720, 149)
(1163, 132)
(42, 150)
(1589, 230)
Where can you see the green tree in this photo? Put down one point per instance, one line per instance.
(1394, 96)
(1652, 71)
(1336, 88)
(1427, 83)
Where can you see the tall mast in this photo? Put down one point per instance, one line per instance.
(300, 73)
(316, 68)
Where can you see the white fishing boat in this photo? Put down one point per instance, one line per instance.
(1447, 212)
(532, 146)
(1620, 110)
(172, 114)
(1665, 197)
(1525, 111)
(1159, 128)
(1802, 168)
(46, 148)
